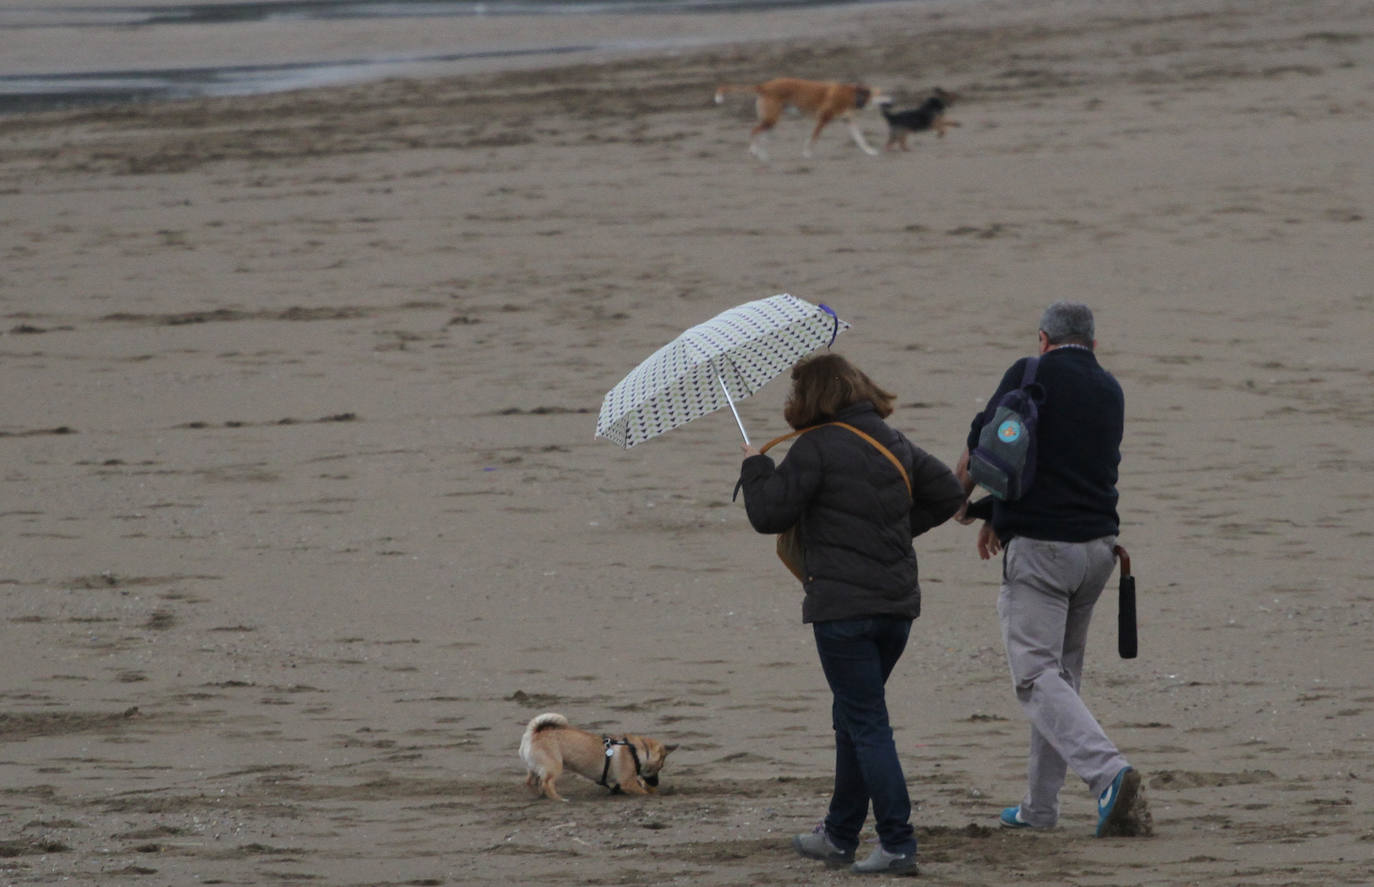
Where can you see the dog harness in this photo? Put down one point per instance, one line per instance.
(610, 744)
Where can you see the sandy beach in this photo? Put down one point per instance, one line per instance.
(304, 519)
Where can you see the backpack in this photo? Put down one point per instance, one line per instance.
(1003, 463)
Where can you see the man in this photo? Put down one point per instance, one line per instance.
(1057, 540)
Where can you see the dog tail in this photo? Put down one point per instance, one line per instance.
(537, 723)
(725, 88)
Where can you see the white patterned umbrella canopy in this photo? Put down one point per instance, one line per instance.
(737, 351)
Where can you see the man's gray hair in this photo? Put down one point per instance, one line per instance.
(1068, 323)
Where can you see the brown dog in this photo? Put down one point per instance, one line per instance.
(625, 763)
(824, 100)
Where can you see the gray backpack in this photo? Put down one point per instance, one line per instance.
(1003, 463)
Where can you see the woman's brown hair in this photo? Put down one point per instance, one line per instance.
(827, 383)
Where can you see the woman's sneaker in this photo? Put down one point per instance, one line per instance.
(817, 845)
(883, 862)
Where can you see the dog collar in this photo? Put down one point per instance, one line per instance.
(609, 744)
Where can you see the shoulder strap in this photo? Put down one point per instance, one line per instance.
(777, 440)
(882, 449)
(768, 446)
(1028, 376)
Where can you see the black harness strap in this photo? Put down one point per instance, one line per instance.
(610, 745)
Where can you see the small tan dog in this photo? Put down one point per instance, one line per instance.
(824, 100)
(626, 763)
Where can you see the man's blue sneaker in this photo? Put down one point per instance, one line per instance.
(1115, 804)
(1011, 818)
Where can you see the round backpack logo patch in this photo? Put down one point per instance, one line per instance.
(1009, 431)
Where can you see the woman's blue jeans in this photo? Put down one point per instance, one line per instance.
(857, 655)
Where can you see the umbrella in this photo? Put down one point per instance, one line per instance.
(713, 364)
(1126, 641)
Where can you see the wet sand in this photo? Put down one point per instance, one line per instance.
(304, 516)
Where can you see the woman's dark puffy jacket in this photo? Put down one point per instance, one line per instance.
(857, 521)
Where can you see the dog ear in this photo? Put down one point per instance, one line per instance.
(668, 749)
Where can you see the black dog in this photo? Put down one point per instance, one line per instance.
(929, 115)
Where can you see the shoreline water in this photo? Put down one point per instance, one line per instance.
(261, 48)
(64, 91)
(177, 12)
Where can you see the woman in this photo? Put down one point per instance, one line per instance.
(856, 516)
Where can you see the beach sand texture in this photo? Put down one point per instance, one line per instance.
(303, 516)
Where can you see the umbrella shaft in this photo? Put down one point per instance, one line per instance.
(731, 402)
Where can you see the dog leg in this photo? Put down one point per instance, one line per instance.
(547, 786)
(769, 111)
(858, 137)
(824, 118)
(547, 779)
(756, 147)
(637, 786)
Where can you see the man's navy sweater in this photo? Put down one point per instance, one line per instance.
(1073, 497)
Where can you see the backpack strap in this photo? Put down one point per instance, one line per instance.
(1034, 390)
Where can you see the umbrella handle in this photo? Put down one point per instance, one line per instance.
(731, 402)
(1125, 559)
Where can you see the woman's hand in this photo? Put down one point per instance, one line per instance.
(750, 450)
(961, 472)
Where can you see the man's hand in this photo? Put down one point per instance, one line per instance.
(962, 516)
(988, 543)
(750, 450)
